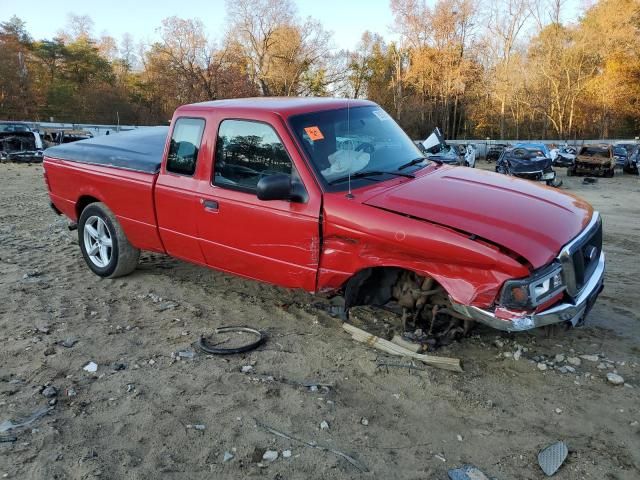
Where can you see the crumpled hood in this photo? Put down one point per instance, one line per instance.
(529, 219)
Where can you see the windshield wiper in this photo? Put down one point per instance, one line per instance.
(369, 173)
(415, 161)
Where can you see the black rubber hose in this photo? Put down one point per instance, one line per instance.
(214, 350)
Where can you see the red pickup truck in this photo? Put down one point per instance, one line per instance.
(331, 196)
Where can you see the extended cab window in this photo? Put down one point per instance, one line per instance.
(247, 151)
(185, 144)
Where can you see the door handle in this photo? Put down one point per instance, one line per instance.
(209, 204)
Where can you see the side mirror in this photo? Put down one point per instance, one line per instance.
(280, 187)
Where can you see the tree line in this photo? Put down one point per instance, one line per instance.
(493, 68)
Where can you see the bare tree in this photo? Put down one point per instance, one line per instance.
(505, 26)
(254, 27)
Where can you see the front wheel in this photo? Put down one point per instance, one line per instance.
(610, 173)
(103, 243)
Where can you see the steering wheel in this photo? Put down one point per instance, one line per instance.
(365, 147)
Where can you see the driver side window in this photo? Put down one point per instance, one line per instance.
(247, 151)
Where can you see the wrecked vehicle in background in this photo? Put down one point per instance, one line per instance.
(563, 156)
(445, 245)
(495, 150)
(57, 136)
(596, 159)
(437, 149)
(633, 161)
(529, 162)
(18, 143)
(620, 155)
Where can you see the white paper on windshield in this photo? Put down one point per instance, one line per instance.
(344, 162)
(382, 115)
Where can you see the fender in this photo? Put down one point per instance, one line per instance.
(471, 270)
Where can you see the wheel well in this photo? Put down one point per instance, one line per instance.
(371, 286)
(82, 203)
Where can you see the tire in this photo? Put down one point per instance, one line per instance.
(570, 172)
(103, 243)
(610, 173)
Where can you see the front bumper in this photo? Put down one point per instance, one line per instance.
(575, 312)
(537, 176)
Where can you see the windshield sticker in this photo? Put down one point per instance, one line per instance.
(382, 115)
(314, 133)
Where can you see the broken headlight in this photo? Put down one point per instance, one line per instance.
(532, 291)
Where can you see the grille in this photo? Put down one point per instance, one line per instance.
(580, 258)
(585, 259)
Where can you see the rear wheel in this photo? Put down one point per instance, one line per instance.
(103, 243)
(610, 172)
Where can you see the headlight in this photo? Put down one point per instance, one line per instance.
(532, 291)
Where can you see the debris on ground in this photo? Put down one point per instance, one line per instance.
(8, 438)
(414, 347)
(236, 340)
(286, 454)
(270, 456)
(90, 367)
(615, 379)
(315, 445)
(575, 361)
(228, 456)
(197, 426)
(186, 354)
(68, 342)
(452, 364)
(8, 425)
(50, 391)
(552, 457)
(467, 472)
(118, 366)
(324, 425)
(590, 358)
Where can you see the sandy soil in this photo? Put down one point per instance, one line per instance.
(134, 418)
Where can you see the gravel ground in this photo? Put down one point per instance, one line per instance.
(145, 415)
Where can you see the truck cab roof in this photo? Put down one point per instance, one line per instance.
(285, 106)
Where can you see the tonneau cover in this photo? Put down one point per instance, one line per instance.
(140, 150)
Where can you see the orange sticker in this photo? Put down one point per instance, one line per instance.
(314, 133)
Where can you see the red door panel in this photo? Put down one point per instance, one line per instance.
(276, 241)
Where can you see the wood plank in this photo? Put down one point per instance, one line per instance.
(446, 363)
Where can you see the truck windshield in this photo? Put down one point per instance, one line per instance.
(355, 140)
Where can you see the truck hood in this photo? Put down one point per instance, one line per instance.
(531, 220)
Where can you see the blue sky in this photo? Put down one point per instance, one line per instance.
(348, 19)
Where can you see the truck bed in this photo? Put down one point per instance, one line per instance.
(138, 150)
(119, 170)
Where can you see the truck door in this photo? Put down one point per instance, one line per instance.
(176, 198)
(274, 241)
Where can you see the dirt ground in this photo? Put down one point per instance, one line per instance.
(145, 415)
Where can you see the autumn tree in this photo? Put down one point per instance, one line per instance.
(283, 55)
(15, 81)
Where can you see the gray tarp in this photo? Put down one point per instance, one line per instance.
(139, 150)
